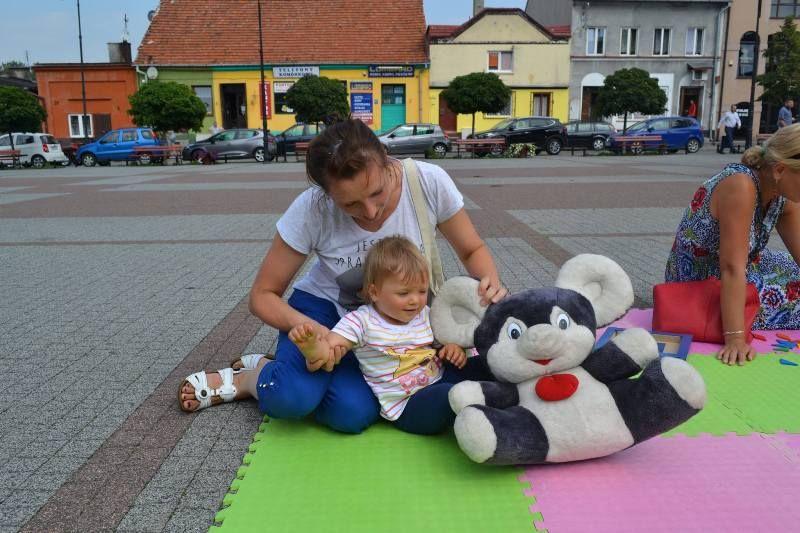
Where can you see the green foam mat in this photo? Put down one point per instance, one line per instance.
(300, 476)
(761, 396)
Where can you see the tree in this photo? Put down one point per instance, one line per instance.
(630, 90)
(166, 106)
(20, 111)
(318, 99)
(479, 91)
(781, 79)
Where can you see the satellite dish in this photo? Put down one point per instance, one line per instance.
(152, 73)
(151, 14)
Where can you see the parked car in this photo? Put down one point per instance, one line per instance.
(232, 144)
(36, 149)
(547, 133)
(677, 133)
(589, 134)
(115, 145)
(415, 139)
(298, 132)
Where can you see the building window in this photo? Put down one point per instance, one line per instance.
(78, 127)
(747, 54)
(785, 8)
(507, 111)
(694, 42)
(540, 104)
(500, 62)
(661, 39)
(281, 88)
(203, 92)
(628, 38)
(595, 41)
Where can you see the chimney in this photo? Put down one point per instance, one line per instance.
(119, 52)
(477, 7)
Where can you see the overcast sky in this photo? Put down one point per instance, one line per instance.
(48, 29)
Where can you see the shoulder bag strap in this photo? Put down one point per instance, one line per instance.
(435, 272)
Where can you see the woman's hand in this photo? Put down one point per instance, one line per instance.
(491, 290)
(736, 351)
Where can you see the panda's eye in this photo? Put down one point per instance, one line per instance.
(514, 331)
(563, 321)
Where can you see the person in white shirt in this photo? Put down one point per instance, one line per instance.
(393, 342)
(359, 196)
(730, 121)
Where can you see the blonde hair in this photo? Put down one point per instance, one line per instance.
(782, 147)
(397, 256)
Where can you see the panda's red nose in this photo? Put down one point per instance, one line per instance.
(542, 361)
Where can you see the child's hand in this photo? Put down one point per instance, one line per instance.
(453, 353)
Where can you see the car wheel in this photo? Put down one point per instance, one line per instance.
(440, 149)
(258, 154)
(693, 146)
(144, 159)
(38, 161)
(599, 144)
(496, 150)
(198, 155)
(553, 146)
(88, 160)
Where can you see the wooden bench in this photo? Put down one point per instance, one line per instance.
(639, 143)
(10, 156)
(146, 154)
(472, 145)
(300, 148)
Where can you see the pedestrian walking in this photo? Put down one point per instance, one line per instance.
(731, 122)
(785, 114)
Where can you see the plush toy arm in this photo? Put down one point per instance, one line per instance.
(489, 393)
(624, 356)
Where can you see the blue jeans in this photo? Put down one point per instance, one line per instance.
(340, 399)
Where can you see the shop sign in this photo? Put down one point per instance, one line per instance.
(361, 106)
(361, 86)
(294, 71)
(266, 110)
(391, 71)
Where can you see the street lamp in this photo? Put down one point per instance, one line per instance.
(264, 102)
(83, 80)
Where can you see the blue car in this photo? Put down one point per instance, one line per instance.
(116, 145)
(677, 133)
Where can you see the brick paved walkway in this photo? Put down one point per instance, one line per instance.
(119, 281)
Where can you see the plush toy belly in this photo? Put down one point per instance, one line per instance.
(584, 425)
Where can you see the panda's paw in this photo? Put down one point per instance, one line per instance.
(464, 394)
(639, 344)
(686, 381)
(475, 434)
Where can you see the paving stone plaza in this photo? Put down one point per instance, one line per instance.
(119, 281)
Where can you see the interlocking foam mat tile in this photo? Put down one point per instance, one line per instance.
(704, 484)
(301, 477)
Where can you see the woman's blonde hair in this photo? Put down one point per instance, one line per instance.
(782, 147)
(397, 256)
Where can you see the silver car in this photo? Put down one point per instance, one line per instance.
(415, 139)
(232, 144)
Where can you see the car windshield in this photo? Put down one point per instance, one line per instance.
(639, 126)
(503, 124)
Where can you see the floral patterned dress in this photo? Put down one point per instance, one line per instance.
(695, 254)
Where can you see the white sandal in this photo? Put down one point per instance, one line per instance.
(203, 393)
(251, 360)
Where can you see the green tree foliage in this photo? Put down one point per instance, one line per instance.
(479, 91)
(318, 99)
(166, 106)
(781, 79)
(20, 111)
(630, 90)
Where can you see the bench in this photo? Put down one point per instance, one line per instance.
(573, 148)
(145, 154)
(10, 156)
(639, 143)
(300, 148)
(473, 145)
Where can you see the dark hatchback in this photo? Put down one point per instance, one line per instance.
(231, 144)
(299, 132)
(591, 135)
(546, 133)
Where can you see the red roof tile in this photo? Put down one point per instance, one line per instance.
(562, 31)
(210, 32)
(437, 31)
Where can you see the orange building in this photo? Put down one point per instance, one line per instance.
(108, 86)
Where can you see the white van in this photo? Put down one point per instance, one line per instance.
(36, 149)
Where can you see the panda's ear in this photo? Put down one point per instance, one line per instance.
(456, 312)
(601, 281)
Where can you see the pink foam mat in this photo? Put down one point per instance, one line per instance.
(703, 484)
(643, 318)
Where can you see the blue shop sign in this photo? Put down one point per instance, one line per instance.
(361, 106)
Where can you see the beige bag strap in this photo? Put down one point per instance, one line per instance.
(435, 272)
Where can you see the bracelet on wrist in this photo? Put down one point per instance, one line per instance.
(739, 332)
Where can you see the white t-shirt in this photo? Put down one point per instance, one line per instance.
(313, 223)
(396, 359)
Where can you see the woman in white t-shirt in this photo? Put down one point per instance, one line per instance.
(360, 196)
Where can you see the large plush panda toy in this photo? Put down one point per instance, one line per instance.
(556, 397)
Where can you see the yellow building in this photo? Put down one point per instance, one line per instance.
(533, 61)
